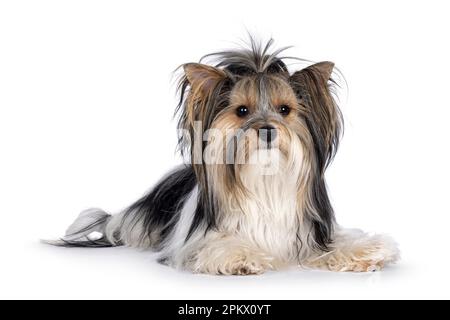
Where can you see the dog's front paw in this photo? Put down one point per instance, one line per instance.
(363, 254)
(360, 264)
(234, 262)
(354, 250)
(246, 265)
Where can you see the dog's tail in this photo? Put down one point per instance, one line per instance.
(88, 230)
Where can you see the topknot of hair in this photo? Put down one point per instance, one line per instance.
(256, 59)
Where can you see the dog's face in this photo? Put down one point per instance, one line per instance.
(240, 113)
(265, 105)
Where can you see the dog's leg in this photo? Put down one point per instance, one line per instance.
(354, 250)
(228, 255)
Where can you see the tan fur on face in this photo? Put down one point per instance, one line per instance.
(247, 92)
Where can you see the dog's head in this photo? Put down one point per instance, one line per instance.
(251, 97)
(247, 104)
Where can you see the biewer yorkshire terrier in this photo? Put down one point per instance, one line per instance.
(251, 197)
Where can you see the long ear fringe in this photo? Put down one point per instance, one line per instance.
(203, 91)
(315, 89)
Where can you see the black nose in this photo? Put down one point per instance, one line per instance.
(267, 133)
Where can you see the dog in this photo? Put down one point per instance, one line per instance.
(251, 196)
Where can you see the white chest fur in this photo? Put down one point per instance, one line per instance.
(267, 216)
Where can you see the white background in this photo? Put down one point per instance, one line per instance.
(86, 100)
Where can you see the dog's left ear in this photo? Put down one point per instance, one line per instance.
(205, 84)
(324, 68)
(323, 117)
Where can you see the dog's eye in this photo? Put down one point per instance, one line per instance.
(284, 110)
(242, 111)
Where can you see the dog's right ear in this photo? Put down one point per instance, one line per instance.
(203, 78)
(205, 85)
(202, 90)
